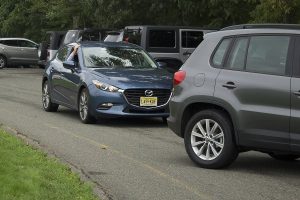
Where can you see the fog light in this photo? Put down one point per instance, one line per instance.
(105, 106)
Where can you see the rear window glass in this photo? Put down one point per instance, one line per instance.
(12, 43)
(220, 53)
(133, 36)
(191, 39)
(71, 36)
(162, 38)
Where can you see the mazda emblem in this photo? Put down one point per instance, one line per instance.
(149, 93)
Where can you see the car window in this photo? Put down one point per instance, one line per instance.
(62, 54)
(268, 54)
(116, 57)
(236, 60)
(25, 43)
(162, 38)
(71, 36)
(191, 39)
(219, 55)
(133, 36)
(12, 43)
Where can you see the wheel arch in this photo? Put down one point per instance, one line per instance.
(193, 108)
(82, 86)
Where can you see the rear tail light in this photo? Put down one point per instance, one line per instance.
(179, 77)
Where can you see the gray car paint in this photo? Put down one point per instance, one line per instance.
(20, 54)
(263, 108)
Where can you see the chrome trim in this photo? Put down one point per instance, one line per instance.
(146, 107)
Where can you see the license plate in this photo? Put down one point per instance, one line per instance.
(148, 101)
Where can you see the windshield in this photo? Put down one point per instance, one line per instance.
(110, 57)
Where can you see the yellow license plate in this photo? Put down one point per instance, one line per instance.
(148, 101)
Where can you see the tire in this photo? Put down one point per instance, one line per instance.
(83, 108)
(164, 119)
(215, 150)
(46, 99)
(284, 157)
(3, 62)
(42, 51)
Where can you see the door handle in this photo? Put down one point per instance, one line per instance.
(297, 93)
(187, 53)
(229, 85)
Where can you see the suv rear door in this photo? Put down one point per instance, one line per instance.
(295, 100)
(255, 83)
(11, 50)
(29, 51)
(189, 40)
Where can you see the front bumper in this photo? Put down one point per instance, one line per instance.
(120, 107)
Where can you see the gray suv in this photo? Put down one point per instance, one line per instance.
(18, 51)
(240, 91)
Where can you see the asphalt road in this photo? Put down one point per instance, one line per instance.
(137, 158)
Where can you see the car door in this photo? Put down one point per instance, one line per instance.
(295, 100)
(56, 74)
(11, 50)
(256, 83)
(70, 82)
(189, 40)
(29, 51)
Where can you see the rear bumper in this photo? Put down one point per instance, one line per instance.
(174, 120)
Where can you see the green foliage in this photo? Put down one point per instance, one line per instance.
(31, 18)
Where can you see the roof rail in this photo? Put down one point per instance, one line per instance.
(265, 26)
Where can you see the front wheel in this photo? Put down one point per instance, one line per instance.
(209, 140)
(3, 62)
(46, 100)
(84, 112)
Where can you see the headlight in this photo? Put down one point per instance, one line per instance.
(106, 87)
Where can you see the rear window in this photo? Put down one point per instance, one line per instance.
(162, 39)
(133, 36)
(191, 39)
(220, 53)
(71, 36)
(12, 43)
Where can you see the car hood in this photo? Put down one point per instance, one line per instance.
(135, 78)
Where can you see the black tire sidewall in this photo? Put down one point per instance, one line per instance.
(5, 61)
(229, 152)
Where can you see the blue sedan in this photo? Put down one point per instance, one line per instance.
(107, 80)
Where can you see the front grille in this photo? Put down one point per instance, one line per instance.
(133, 96)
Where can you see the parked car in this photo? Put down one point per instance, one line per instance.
(109, 80)
(18, 51)
(49, 45)
(55, 39)
(169, 44)
(240, 91)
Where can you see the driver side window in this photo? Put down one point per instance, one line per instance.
(62, 54)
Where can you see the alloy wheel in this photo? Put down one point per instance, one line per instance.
(46, 96)
(83, 105)
(207, 139)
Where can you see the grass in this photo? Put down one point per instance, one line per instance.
(28, 174)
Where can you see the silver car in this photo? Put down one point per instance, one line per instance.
(18, 51)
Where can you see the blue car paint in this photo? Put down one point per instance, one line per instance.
(67, 94)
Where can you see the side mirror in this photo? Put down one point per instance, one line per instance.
(162, 65)
(69, 65)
